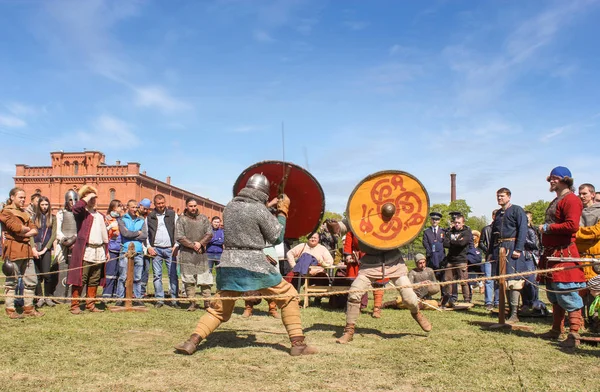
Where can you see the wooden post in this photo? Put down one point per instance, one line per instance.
(129, 285)
(502, 287)
(502, 302)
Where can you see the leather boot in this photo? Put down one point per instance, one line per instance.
(29, 311)
(558, 324)
(189, 346)
(422, 321)
(13, 315)
(513, 297)
(299, 347)
(377, 303)
(206, 293)
(90, 303)
(75, 293)
(348, 335)
(247, 310)
(390, 305)
(273, 309)
(573, 338)
(191, 294)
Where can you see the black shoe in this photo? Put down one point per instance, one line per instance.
(119, 303)
(159, 305)
(489, 307)
(138, 303)
(173, 304)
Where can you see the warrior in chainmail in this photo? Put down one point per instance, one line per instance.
(193, 232)
(248, 226)
(66, 234)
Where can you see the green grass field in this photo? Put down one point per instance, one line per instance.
(134, 352)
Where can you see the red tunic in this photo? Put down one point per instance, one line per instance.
(560, 239)
(351, 247)
(84, 221)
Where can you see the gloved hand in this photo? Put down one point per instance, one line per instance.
(283, 205)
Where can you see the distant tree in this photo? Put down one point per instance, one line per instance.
(477, 222)
(538, 211)
(326, 215)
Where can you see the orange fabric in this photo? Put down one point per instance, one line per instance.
(588, 244)
(113, 232)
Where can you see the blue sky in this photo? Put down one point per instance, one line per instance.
(498, 92)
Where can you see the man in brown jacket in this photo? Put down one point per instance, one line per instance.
(18, 228)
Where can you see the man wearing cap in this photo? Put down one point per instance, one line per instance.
(249, 226)
(143, 211)
(433, 242)
(419, 274)
(509, 233)
(558, 238)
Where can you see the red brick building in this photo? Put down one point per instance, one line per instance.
(71, 170)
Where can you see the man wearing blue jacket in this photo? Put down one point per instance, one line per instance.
(215, 246)
(133, 229)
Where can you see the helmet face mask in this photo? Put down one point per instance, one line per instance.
(71, 195)
(259, 182)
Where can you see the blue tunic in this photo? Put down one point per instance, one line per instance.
(509, 231)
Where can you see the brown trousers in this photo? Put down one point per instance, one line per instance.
(456, 274)
(221, 309)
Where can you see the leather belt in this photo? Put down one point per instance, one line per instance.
(501, 240)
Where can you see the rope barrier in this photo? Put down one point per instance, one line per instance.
(95, 262)
(327, 294)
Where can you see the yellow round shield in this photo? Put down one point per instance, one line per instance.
(388, 209)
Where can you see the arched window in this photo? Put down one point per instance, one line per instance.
(75, 168)
(113, 194)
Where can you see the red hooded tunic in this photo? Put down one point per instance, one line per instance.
(559, 240)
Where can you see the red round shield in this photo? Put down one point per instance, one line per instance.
(306, 195)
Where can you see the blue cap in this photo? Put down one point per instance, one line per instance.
(561, 171)
(146, 203)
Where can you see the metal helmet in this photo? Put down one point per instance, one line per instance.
(71, 195)
(260, 182)
(9, 268)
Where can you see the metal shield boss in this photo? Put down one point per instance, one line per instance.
(306, 195)
(388, 209)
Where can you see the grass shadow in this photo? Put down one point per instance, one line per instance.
(230, 339)
(338, 330)
(484, 324)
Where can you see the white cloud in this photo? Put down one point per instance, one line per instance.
(485, 76)
(157, 97)
(262, 36)
(306, 25)
(356, 25)
(390, 77)
(553, 133)
(395, 49)
(11, 122)
(19, 109)
(105, 132)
